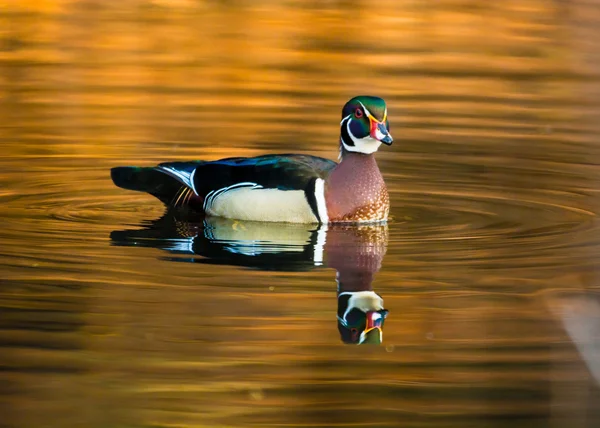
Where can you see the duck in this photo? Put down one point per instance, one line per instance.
(292, 188)
(356, 253)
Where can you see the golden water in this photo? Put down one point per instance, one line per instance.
(491, 272)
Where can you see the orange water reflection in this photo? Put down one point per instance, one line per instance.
(490, 274)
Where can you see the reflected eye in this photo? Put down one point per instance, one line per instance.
(358, 113)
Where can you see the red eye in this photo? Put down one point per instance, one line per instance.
(358, 113)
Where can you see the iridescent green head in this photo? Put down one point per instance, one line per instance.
(364, 125)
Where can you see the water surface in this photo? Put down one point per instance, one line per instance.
(114, 315)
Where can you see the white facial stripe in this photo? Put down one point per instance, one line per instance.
(368, 112)
(365, 109)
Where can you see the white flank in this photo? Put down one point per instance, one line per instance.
(246, 202)
(253, 238)
(364, 300)
(320, 198)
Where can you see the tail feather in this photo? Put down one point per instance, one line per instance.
(151, 180)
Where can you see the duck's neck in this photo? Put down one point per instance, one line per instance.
(355, 183)
(351, 281)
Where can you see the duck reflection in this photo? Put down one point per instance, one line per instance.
(355, 252)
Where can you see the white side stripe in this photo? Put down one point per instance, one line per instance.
(192, 181)
(320, 198)
(320, 245)
(183, 245)
(182, 176)
(214, 194)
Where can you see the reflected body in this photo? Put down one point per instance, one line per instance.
(355, 252)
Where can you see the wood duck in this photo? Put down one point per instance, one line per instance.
(283, 188)
(355, 252)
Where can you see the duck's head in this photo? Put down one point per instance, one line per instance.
(360, 317)
(364, 125)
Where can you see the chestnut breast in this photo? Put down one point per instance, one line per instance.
(355, 191)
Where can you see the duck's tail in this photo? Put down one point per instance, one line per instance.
(170, 183)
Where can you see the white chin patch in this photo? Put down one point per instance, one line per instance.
(365, 145)
(364, 300)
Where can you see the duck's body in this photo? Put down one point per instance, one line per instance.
(281, 188)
